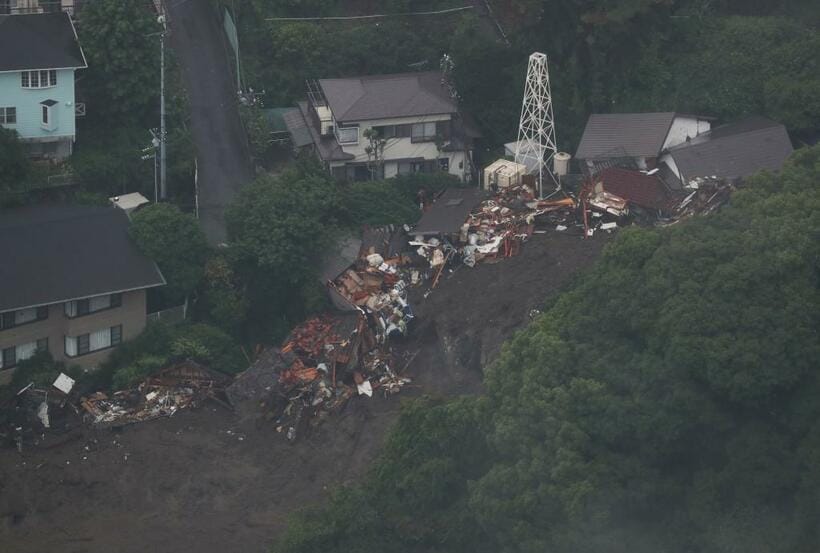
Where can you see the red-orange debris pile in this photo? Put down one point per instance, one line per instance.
(322, 364)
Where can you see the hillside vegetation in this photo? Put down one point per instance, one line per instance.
(667, 402)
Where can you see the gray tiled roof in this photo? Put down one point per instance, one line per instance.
(297, 127)
(624, 135)
(735, 150)
(385, 96)
(62, 252)
(38, 41)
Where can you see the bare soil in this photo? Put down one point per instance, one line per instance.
(203, 481)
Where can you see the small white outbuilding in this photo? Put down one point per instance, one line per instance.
(504, 173)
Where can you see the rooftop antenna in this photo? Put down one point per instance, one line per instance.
(536, 129)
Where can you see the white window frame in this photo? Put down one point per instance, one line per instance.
(46, 117)
(44, 78)
(97, 341)
(4, 115)
(95, 304)
(423, 132)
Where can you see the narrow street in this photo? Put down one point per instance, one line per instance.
(223, 162)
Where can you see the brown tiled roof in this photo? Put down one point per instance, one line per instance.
(635, 187)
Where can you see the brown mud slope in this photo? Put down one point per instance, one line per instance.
(200, 482)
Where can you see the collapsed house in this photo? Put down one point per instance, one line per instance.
(615, 190)
(733, 151)
(658, 168)
(634, 140)
(181, 385)
(322, 364)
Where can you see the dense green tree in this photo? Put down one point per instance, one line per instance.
(224, 295)
(667, 402)
(176, 242)
(15, 166)
(121, 44)
(279, 227)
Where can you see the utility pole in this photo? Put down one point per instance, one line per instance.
(162, 135)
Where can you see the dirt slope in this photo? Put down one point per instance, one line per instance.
(199, 482)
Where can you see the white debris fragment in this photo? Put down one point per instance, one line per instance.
(365, 388)
(64, 383)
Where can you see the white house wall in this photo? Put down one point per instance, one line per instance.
(403, 148)
(396, 148)
(683, 127)
(666, 158)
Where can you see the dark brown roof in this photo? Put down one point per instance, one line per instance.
(39, 41)
(386, 96)
(624, 135)
(735, 150)
(635, 187)
(450, 211)
(63, 252)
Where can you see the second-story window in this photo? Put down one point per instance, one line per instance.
(93, 341)
(78, 308)
(423, 132)
(11, 319)
(43, 78)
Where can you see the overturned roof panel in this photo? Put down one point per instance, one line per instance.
(386, 96)
(736, 150)
(624, 134)
(339, 258)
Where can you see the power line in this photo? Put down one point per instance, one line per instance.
(378, 16)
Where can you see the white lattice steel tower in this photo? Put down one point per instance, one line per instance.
(536, 130)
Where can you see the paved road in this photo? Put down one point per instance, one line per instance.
(222, 151)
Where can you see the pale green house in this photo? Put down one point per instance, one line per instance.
(39, 54)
